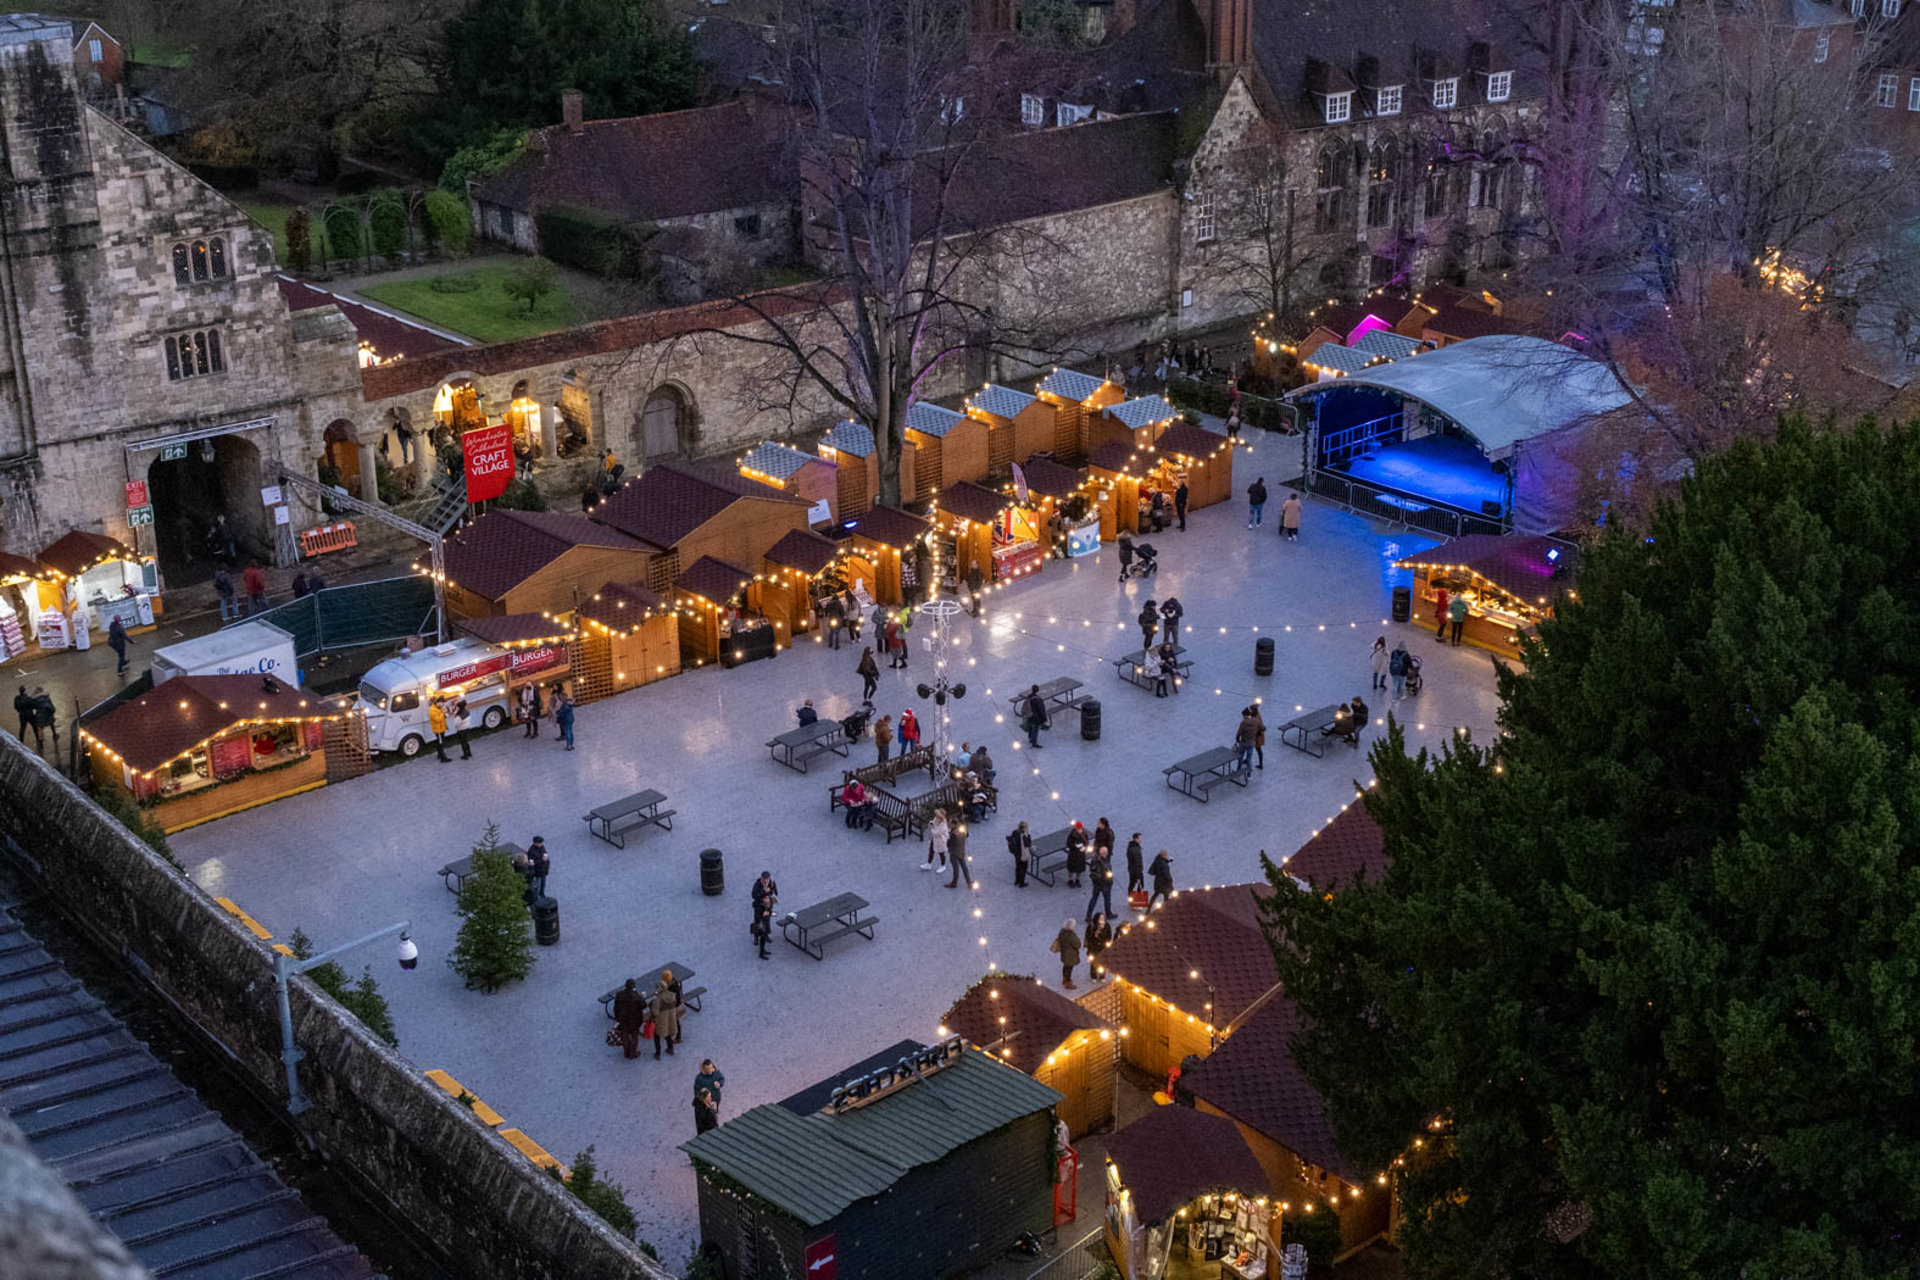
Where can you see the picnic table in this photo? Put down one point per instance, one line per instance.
(812, 928)
(1309, 729)
(1062, 693)
(611, 822)
(646, 982)
(1132, 667)
(1196, 776)
(1050, 855)
(796, 748)
(460, 870)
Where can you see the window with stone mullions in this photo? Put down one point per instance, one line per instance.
(197, 261)
(1203, 219)
(1339, 107)
(1499, 86)
(194, 355)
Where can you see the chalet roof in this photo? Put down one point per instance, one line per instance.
(517, 628)
(1467, 322)
(1001, 402)
(1387, 345)
(1071, 384)
(15, 568)
(502, 549)
(1215, 931)
(1334, 856)
(932, 420)
(815, 1166)
(79, 550)
(1516, 565)
(1143, 411)
(653, 168)
(889, 526)
(1049, 478)
(1038, 1019)
(1190, 440)
(851, 437)
(803, 550)
(1332, 355)
(1112, 456)
(772, 458)
(974, 502)
(387, 334)
(621, 606)
(1172, 1156)
(670, 500)
(174, 718)
(713, 579)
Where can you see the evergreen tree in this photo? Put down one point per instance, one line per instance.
(495, 943)
(608, 1199)
(1641, 978)
(299, 240)
(362, 999)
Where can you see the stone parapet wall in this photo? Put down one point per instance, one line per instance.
(490, 1212)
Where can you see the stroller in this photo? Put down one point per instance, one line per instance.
(855, 725)
(1144, 562)
(1414, 680)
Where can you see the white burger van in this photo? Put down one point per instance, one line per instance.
(395, 694)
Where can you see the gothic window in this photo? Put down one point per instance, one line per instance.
(1437, 174)
(182, 265)
(217, 257)
(1381, 175)
(199, 260)
(1329, 177)
(194, 355)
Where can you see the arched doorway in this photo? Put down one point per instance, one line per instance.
(341, 462)
(576, 414)
(456, 408)
(207, 510)
(666, 426)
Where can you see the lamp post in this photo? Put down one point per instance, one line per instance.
(285, 966)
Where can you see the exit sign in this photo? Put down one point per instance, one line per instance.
(138, 516)
(136, 494)
(172, 452)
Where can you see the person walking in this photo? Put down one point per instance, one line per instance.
(462, 721)
(437, 723)
(1099, 938)
(563, 715)
(712, 1080)
(869, 673)
(1440, 602)
(256, 583)
(1076, 855)
(1066, 945)
(1123, 545)
(1290, 517)
(883, 738)
(539, 866)
(23, 708)
(706, 1113)
(1233, 425)
(1149, 621)
(1171, 611)
(1100, 872)
(833, 614)
(629, 1015)
(1243, 739)
(1379, 660)
(1180, 497)
(300, 585)
(938, 834)
(1033, 716)
(1161, 869)
(666, 1012)
(1457, 611)
(1136, 867)
(117, 641)
(1397, 668)
(1256, 501)
(223, 587)
(1020, 846)
(957, 855)
(43, 717)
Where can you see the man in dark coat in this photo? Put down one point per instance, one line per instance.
(42, 716)
(1170, 614)
(1149, 621)
(1136, 873)
(706, 1112)
(766, 892)
(23, 707)
(1161, 869)
(629, 1014)
(1180, 496)
(1020, 845)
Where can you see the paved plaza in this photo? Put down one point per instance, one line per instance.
(347, 859)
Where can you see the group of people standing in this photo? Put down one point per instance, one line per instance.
(1289, 510)
(534, 704)
(35, 711)
(655, 1016)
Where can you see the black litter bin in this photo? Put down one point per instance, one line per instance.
(1402, 604)
(546, 921)
(713, 873)
(1263, 656)
(1090, 720)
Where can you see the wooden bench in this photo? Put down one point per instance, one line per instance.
(797, 748)
(611, 822)
(873, 775)
(1307, 732)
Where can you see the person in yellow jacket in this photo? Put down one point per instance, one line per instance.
(437, 721)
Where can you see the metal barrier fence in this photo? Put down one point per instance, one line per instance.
(1084, 1258)
(1378, 502)
(356, 614)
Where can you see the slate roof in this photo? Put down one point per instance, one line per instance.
(671, 500)
(502, 549)
(1172, 1156)
(13, 566)
(1049, 478)
(1334, 856)
(818, 1094)
(1216, 931)
(179, 715)
(973, 502)
(932, 420)
(889, 526)
(1517, 565)
(1332, 355)
(388, 334)
(517, 628)
(1142, 411)
(1111, 456)
(653, 168)
(816, 1166)
(621, 606)
(1465, 322)
(803, 550)
(713, 580)
(1342, 318)
(781, 461)
(1001, 402)
(1190, 440)
(1253, 1077)
(855, 438)
(1038, 1020)
(1387, 344)
(79, 550)
(1032, 173)
(1070, 384)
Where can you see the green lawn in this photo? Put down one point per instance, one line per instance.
(273, 215)
(483, 312)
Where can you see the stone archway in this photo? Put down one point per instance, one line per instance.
(207, 509)
(576, 427)
(348, 461)
(666, 426)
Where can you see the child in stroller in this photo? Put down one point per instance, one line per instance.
(855, 725)
(1413, 675)
(1144, 562)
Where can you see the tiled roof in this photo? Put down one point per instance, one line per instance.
(1465, 322)
(1388, 344)
(1037, 1020)
(1001, 402)
(817, 1165)
(1334, 856)
(889, 526)
(1190, 440)
(855, 438)
(1216, 931)
(771, 458)
(1172, 1156)
(1331, 355)
(621, 606)
(1343, 318)
(932, 420)
(179, 715)
(1111, 456)
(12, 566)
(803, 550)
(670, 500)
(517, 628)
(973, 502)
(1050, 478)
(387, 334)
(1253, 1077)
(502, 549)
(1036, 172)
(651, 168)
(1141, 412)
(1517, 565)
(79, 550)
(1071, 384)
(713, 580)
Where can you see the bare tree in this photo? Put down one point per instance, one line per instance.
(1262, 255)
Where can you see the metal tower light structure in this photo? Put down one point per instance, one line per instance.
(940, 611)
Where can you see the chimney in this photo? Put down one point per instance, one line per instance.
(572, 107)
(1229, 28)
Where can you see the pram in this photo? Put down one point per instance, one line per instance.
(1144, 562)
(1413, 677)
(855, 725)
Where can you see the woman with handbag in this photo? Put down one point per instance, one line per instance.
(938, 833)
(629, 1015)
(665, 1020)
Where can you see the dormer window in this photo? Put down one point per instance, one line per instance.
(952, 109)
(1066, 113)
(1386, 101)
(1339, 107)
(1446, 93)
(1889, 9)
(1499, 86)
(1858, 8)
(1033, 110)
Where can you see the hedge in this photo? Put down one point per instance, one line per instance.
(593, 241)
(1209, 396)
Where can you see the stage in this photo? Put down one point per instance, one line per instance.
(1443, 469)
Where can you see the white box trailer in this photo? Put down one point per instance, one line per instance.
(250, 648)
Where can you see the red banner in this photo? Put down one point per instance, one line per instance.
(473, 670)
(528, 661)
(488, 453)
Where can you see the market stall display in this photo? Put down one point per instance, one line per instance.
(1184, 1185)
(1116, 469)
(882, 551)
(799, 572)
(629, 636)
(1190, 453)
(95, 579)
(1509, 584)
(972, 531)
(21, 604)
(720, 626)
(1056, 503)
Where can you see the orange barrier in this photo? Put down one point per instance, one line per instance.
(328, 537)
